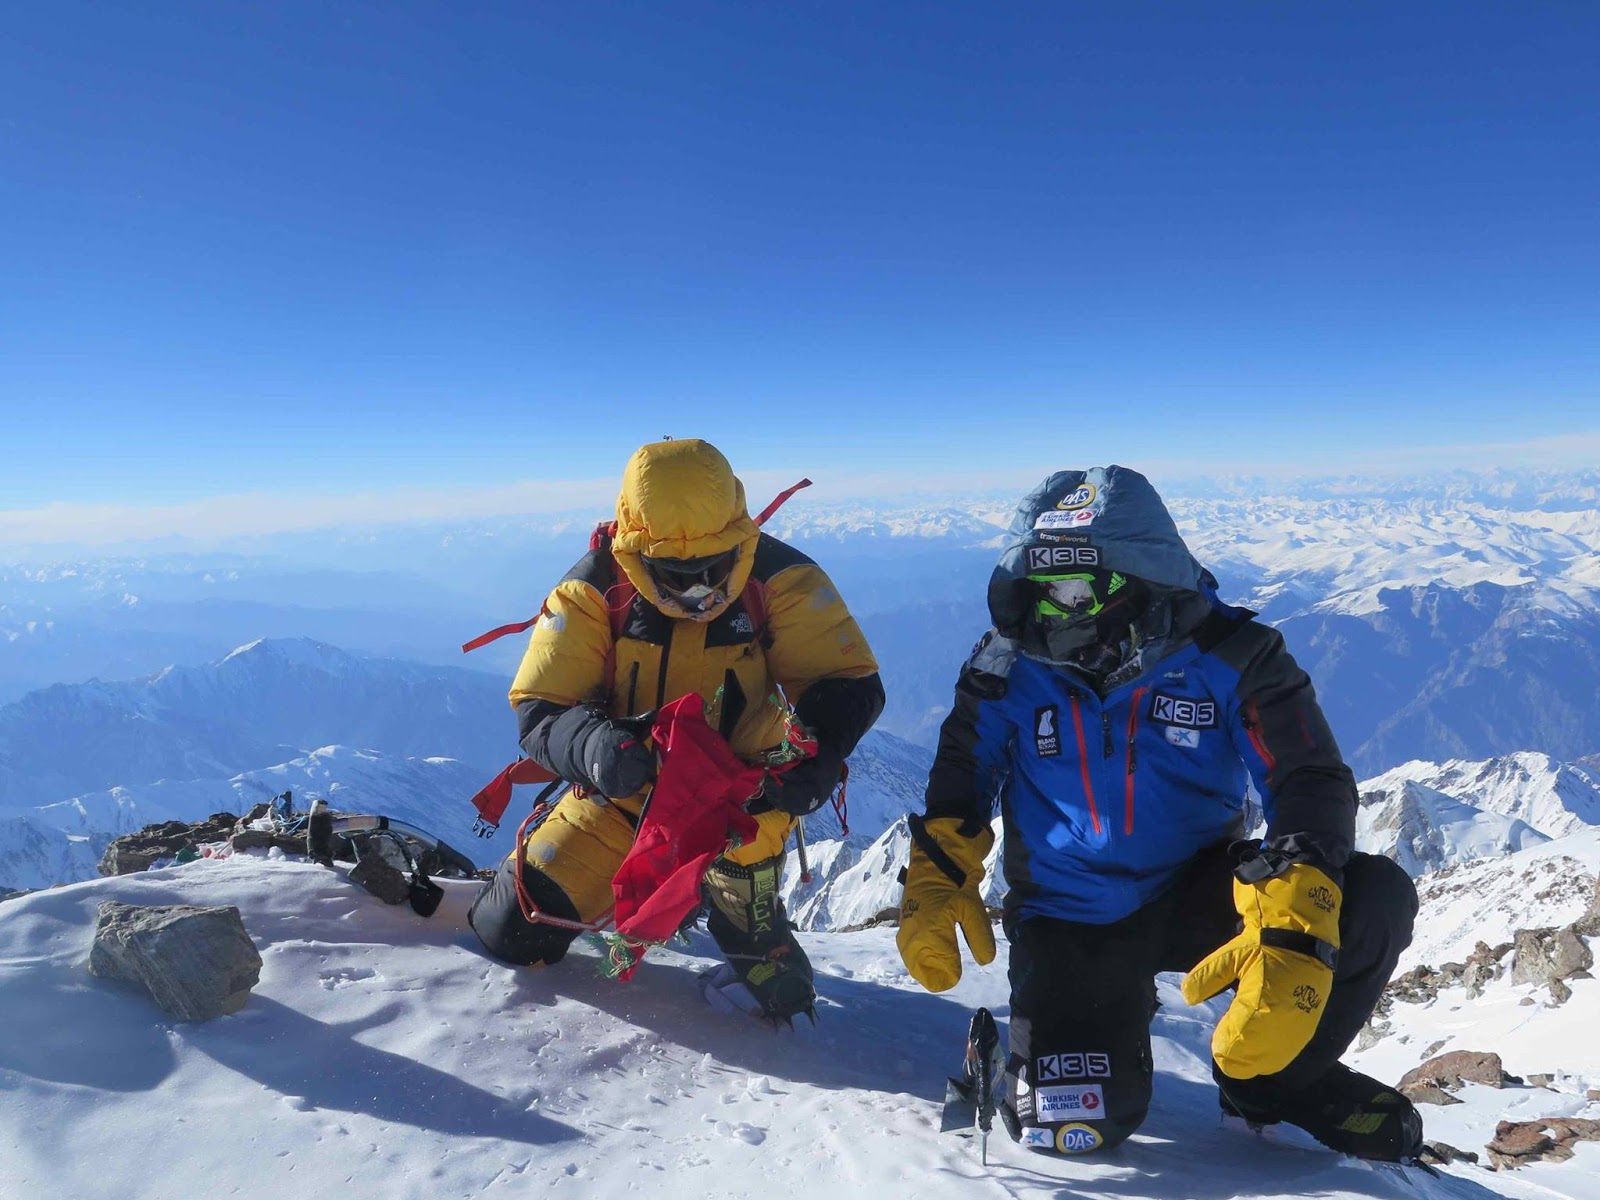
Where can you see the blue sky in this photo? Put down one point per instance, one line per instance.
(349, 247)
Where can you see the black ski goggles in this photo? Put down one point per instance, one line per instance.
(696, 584)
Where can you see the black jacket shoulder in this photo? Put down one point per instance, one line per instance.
(773, 557)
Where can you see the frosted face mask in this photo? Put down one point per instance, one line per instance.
(695, 585)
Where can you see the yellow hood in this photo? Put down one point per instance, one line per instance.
(680, 499)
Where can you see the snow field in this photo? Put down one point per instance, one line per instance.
(383, 1055)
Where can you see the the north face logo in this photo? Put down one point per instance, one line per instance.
(743, 624)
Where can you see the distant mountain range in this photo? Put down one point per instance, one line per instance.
(265, 703)
(82, 763)
(1456, 616)
(1451, 621)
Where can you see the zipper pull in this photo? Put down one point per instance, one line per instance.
(1105, 727)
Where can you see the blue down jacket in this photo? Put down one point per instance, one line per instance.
(1107, 792)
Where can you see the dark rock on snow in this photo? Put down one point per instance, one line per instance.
(197, 963)
(1517, 1143)
(1450, 1071)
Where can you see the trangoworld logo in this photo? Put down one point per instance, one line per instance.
(1307, 999)
(1046, 731)
(1184, 712)
(1322, 897)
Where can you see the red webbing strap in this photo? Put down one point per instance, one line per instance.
(494, 796)
(494, 635)
(841, 807)
(779, 501)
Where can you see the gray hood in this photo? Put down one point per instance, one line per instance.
(1105, 516)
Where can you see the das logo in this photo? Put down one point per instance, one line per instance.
(1079, 497)
(1077, 1139)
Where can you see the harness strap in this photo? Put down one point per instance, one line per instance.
(926, 842)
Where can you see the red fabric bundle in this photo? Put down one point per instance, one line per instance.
(695, 810)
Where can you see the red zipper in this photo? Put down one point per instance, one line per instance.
(1252, 724)
(1133, 760)
(1083, 762)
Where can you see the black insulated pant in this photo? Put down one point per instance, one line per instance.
(1083, 996)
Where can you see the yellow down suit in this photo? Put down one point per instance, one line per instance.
(782, 636)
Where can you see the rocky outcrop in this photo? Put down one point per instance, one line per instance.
(1422, 984)
(1540, 957)
(1588, 925)
(197, 963)
(1444, 1152)
(1450, 1071)
(134, 852)
(1518, 1143)
(1550, 957)
(1428, 1093)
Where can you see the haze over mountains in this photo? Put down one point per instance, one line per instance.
(1452, 619)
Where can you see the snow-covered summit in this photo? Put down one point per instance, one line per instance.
(384, 1056)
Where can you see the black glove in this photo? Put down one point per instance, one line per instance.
(609, 757)
(804, 787)
(616, 762)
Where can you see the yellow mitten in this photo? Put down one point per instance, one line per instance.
(941, 892)
(1283, 965)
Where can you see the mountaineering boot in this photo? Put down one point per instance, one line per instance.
(770, 965)
(1343, 1109)
(747, 919)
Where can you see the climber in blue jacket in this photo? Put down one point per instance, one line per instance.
(1118, 714)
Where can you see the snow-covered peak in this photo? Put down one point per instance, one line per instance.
(1553, 797)
(888, 778)
(1423, 829)
(960, 524)
(303, 652)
